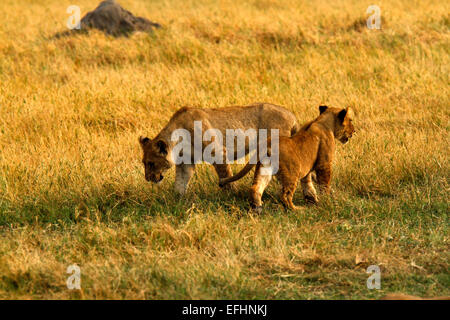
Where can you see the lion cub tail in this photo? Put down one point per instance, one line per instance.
(237, 176)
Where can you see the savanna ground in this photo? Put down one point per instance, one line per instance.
(72, 188)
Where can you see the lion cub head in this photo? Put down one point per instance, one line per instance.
(155, 158)
(341, 122)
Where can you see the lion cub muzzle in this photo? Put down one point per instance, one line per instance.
(155, 178)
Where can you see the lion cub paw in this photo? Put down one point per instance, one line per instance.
(311, 200)
(255, 209)
(294, 208)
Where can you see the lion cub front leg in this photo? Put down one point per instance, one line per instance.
(260, 182)
(309, 192)
(183, 173)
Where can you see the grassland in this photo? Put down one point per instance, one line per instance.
(72, 188)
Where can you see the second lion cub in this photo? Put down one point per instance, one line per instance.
(310, 149)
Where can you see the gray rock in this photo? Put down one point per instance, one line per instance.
(114, 20)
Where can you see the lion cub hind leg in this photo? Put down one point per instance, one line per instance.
(260, 182)
(224, 171)
(309, 192)
(287, 193)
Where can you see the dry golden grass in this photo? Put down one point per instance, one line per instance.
(71, 183)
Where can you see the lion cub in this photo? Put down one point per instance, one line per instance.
(158, 152)
(310, 149)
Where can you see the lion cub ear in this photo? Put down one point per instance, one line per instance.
(341, 115)
(322, 109)
(350, 113)
(345, 113)
(143, 141)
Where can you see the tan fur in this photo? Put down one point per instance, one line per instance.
(311, 149)
(157, 152)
